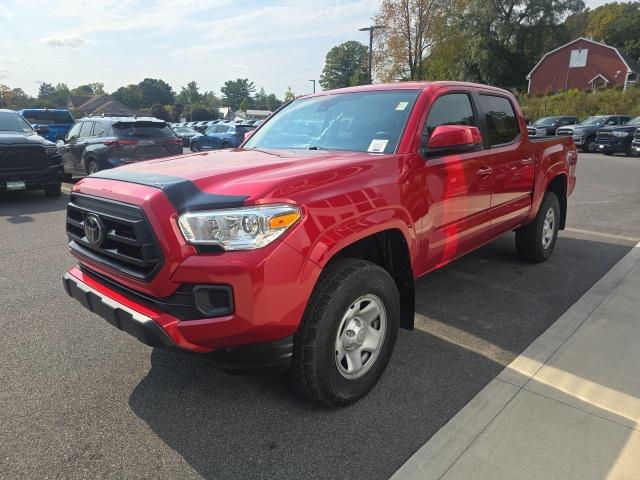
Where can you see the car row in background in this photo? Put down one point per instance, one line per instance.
(607, 134)
(220, 136)
(204, 125)
(97, 143)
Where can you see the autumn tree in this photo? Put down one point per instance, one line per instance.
(345, 65)
(289, 95)
(411, 29)
(618, 25)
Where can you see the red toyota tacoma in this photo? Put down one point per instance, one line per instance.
(299, 250)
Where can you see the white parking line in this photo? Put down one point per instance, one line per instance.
(602, 234)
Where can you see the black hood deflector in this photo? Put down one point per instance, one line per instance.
(182, 193)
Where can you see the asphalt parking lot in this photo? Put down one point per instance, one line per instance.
(80, 399)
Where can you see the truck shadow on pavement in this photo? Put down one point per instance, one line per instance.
(473, 318)
(17, 207)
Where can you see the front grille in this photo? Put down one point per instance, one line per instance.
(23, 158)
(128, 244)
(564, 132)
(604, 134)
(532, 131)
(637, 135)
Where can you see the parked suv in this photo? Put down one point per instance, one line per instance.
(584, 134)
(96, 143)
(222, 135)
(49, 123)
(636, 142)
(27, 161)
(548, 125)
(300, 249)
(612, 140)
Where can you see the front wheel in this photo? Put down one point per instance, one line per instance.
(535, 242)
(347, 333)
(195, 147)
(590, 146)
(92, 166)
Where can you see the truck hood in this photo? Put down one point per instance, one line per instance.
(15, 138)
(622, 128)
(255, 174)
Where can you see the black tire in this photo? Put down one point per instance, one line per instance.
(590, 146)
(194, 147)
(529, 238)
(314, 369)
(225, 145)
(629, 151)
(92, 166)
(54, 190)
(608, 154)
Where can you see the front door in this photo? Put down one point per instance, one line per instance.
(457, 186)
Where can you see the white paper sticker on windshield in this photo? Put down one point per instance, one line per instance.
(402, 105)
(377, 146)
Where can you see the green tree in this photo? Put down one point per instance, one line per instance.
(154, 90)
(244, 104)
(189, 94)
(46, 91)
(618, 25)
(131, 96)
(289, 95)
(345, 65)
(234, 91)
(160, 111)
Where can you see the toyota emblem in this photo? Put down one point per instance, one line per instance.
(94, 230)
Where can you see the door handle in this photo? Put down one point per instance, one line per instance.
(526, 161)
(484, 171)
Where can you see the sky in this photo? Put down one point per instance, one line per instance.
(275, 43)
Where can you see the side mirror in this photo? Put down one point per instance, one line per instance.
(450, 139)
(40, 129)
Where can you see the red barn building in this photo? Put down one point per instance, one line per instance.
(584, 65)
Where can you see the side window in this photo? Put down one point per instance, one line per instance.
(449, 109)
(74, 132)
(99, 129)
(502, 122)
(86, 129)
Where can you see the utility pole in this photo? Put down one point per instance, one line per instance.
(371, 29)
(314, 85)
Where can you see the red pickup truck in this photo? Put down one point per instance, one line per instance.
(299, 250)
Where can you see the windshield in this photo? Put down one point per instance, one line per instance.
(142, 130)
(361, 121)
(13, 122)
(48, 117)
(594, 121)
(546, 121)
(633, 122)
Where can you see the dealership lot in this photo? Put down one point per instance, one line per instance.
(82, 400)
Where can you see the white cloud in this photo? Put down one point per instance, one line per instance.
(5, 13)
(72, 41)
(5, 72)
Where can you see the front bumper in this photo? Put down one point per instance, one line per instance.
(636, 146)
(270, 356)
(34, 179)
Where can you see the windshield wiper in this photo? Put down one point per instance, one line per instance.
(317, 147)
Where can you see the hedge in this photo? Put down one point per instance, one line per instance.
(582, 104)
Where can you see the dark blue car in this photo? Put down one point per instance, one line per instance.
(51, 124)
(222, 135)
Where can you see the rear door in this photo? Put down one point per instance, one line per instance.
(513, 162)
(78, 146)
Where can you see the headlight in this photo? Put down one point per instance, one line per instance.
(51, 149)
(620, 134)
(244, 228)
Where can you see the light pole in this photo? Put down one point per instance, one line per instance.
(314, 85)
(371, 29)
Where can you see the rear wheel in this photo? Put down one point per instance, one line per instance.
(92, 166)
(535, 242)
(226, 145)
(195, 147)
(347, 333)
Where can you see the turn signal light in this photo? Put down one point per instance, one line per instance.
(284, 221)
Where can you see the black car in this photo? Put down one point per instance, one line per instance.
(612, 140)
(636, 142)
(548, 125)
(96, 143)
(27, 161)
(185, 133)
(584, 134)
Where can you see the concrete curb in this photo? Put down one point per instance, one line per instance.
(442, 450)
